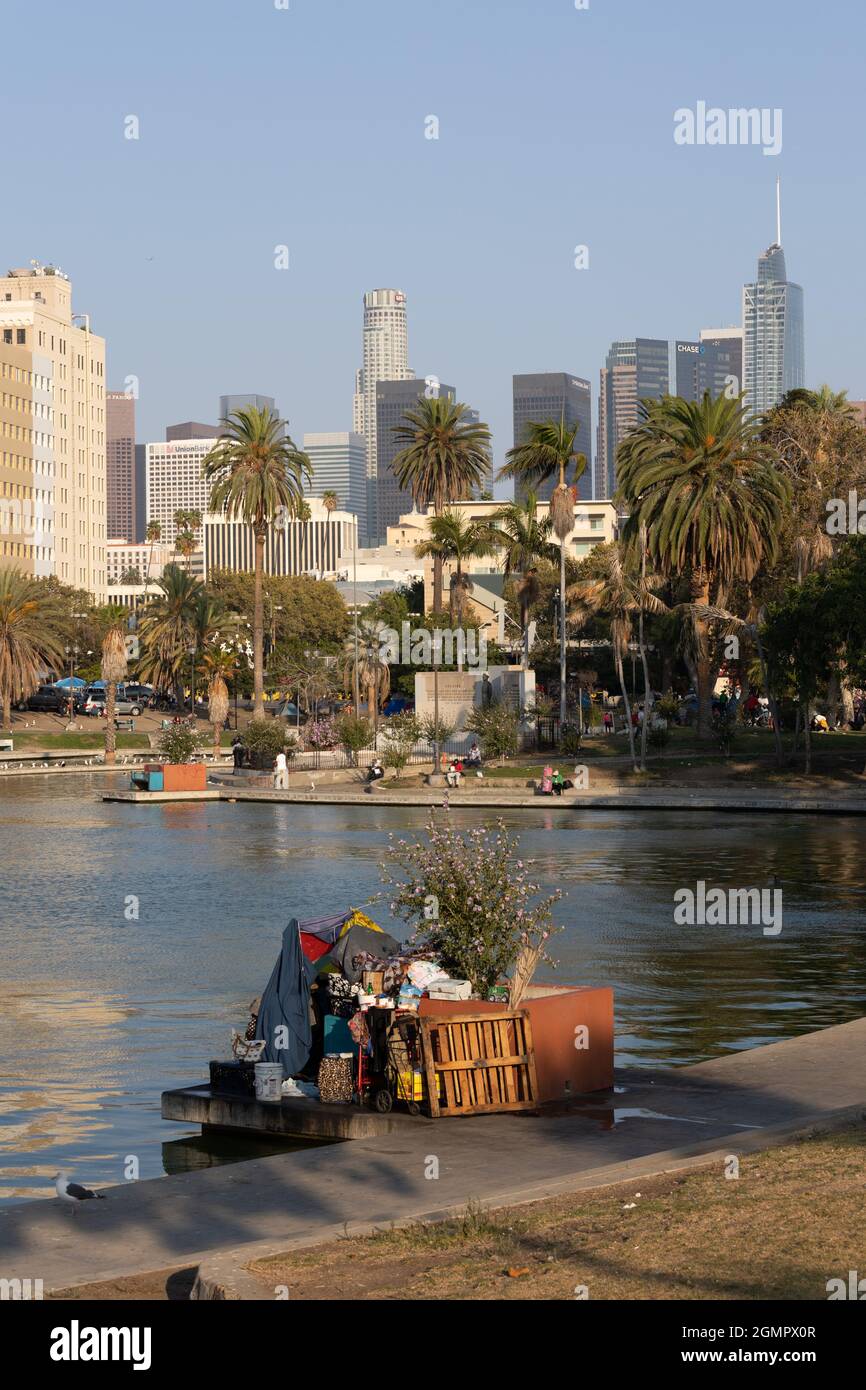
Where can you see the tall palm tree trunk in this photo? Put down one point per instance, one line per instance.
(437, 583)
(110, 731)
(7, 709)
(621, 674)
(259, 628)
(562, 654)
(647, 696)
(700, 587)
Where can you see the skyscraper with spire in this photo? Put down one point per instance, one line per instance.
(774, 354)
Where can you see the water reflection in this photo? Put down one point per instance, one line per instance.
(102, 1012)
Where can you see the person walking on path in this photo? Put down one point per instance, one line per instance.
(281, 772)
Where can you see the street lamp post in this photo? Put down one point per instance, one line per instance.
(72, 654)
(192, 652)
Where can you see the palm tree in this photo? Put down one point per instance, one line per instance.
(167, 629)
(330, 500)
(451, 537)
(696, 474)
(114, 668)
(548, 452)
(27, 644)
(374, 673)
(524, 539)
(152, 535)
(257, 474)
(620, 593)
(446, 457)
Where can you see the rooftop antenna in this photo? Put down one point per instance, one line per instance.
(778, 210)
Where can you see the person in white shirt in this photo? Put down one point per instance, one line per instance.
(281, 773)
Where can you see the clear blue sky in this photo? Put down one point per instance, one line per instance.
(305, 126)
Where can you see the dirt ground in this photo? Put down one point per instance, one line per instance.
(794, 1218)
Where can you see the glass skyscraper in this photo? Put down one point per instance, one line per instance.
(774, 354)
(538, 396)
(636, 369)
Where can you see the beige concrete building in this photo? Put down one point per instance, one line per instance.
(26, 460)
(124, 556)
(66, 428)
(594, 523)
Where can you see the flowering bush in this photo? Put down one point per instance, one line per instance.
(320, 733)
(469, 899)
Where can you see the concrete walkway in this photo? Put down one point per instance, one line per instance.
(656, 1121)
(491, 798)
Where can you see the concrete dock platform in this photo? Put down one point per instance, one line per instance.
(293, 1117)
(654, 1121)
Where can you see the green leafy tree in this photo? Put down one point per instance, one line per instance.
(549, 451)
(402, 732)
(524, 540)
(28, 643)
(166, 630)
(354, 733)
(445, 458)
(257, 475)
(453, 538)
(497, 725)
(698, 477)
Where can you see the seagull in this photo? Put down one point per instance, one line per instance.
(72, 1192)
(62, 762)
(312, 785)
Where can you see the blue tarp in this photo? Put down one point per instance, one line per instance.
(284, 1011)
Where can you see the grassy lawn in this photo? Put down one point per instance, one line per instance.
(793, 1219)
(48, 743)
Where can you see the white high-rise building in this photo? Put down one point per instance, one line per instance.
(386, 358)
(173, 481)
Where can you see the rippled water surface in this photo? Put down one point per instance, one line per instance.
(100, 1014)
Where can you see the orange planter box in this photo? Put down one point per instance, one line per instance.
(572, 1035)
(181, 777)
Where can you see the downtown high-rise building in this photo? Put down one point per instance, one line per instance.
(52, 432)
(714, 364)
(539, 396)
(174, 482)
(229, 404)
(339, 463)
(635, 369)
(385, 358)
(774, 351)
(120, 479)
(393, 399)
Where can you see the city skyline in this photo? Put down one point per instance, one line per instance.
(491, 282)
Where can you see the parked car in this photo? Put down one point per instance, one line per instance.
(145, 694)
(125, 703)
(48, 699)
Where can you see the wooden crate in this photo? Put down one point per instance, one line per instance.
(479, 1063)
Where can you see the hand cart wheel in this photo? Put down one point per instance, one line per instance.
(383, 1101)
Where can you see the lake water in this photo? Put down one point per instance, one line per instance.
(100, 1014)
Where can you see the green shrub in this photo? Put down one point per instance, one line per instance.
(264, 739)
(355, 733)
(657, 738)
(498, 727)
(179, 743)
(569, 741)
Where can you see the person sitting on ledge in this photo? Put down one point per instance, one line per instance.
(546, 788)
(473, 757)
(376, 772)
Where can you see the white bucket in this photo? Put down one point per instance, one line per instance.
(269, 1080)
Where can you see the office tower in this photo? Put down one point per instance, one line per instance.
(229, 404)
(175, 482)
(636, 369)
(314, 547)
(68, 462)
(191, 429)
(714, 364)
(26, 458)
(340, 465)
(393, 399)
(473, 417)
(538, 396)
(385, 358)
(774, 354)
(120, 496)
(140, 493)
(149, 560)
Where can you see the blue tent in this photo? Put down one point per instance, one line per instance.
(75, 681)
